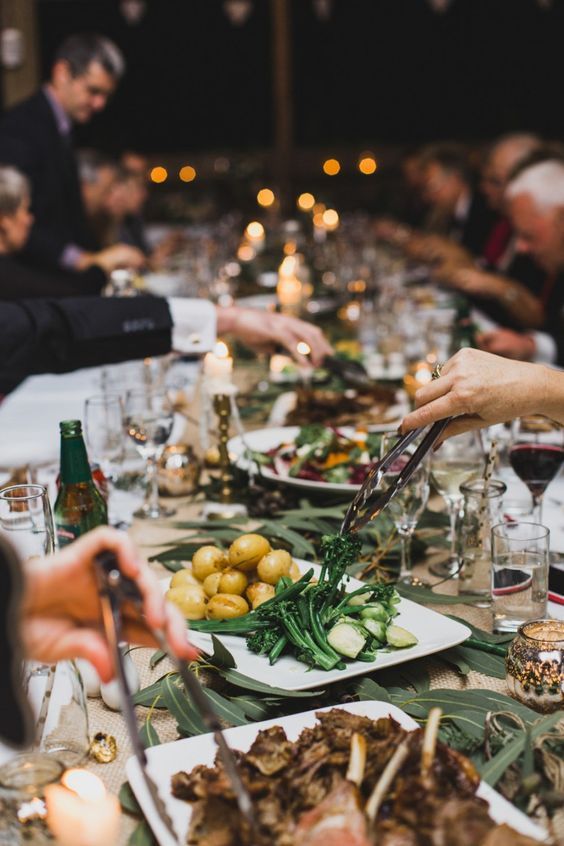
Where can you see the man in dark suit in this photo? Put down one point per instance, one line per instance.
(36, 137)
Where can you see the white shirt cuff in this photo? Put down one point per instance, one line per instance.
(194, 325)
(545, 348)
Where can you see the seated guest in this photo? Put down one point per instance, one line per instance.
(36, 137)
(59, 335)
(457, 209)
(535, 201)
(509, 286)
(19, 280)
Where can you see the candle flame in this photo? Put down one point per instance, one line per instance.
(221, 350)
(86, 785)
(303, 348)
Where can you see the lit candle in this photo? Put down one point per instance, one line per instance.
(218, 367)
(80, 812)
(289, 288)
(278, 363)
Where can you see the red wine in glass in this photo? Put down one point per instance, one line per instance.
(536, 464)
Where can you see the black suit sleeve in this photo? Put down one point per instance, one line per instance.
(55, 336)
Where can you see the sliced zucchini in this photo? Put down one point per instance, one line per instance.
(399, 637)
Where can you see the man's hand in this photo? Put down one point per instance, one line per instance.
(508, 343)
(62, 614)
(265, 330)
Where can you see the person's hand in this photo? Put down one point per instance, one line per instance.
(508, 343)
(479, 389)
(476, 282)
(265, 330)
(62, 613)
(118, 256)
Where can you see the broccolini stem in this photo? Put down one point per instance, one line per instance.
(277, 649)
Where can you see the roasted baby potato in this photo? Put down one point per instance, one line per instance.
(259, 592)
(190, 600)
(246, 552)
(208, 559)
(274, 565)
(183, 577)
(211, 584)
(233, 581)
(226, 606)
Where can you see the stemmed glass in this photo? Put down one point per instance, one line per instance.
(103, 428)
(27, 521)
(458, 460)
(536, 455)
(149, 417)
(407, 506)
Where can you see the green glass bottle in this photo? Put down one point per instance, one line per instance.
(80, 506)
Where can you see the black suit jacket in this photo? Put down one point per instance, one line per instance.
(31, 141)
(55, 336)
(473, 232)
(19, 281)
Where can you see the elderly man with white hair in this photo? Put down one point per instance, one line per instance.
(535, 201)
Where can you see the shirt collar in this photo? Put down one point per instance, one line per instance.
(63, 121)
(462, 207)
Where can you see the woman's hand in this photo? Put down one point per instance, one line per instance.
(480, 389)
(62, 612)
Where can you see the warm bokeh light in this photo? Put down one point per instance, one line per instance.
(330, 218)
(319, 208)
(357, 286)
(306, 201)
(331, 167)
(246, 252)
(265, 197)
(221, 350)
(367, 165)
(86, 785)
(288, 266)
(303, 348)
(255, 230)
(318, 219)
(159, 174)
(187, 173)
(290, 248)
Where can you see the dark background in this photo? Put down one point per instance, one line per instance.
(378, 71)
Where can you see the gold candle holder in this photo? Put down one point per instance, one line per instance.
(222, 407)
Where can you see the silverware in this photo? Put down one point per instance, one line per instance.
(115, 588)
(369, 501)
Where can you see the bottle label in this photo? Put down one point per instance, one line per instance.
(67, 534)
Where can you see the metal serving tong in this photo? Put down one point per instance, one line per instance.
(370, 501)
(115, 589)
(352, 372)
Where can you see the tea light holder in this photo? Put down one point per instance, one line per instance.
(535, 665)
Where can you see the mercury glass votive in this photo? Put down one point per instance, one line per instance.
(535, 665)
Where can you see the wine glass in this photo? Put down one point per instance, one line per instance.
(536, 454)
(149, 417)
(457, 460)
(103, 429)
(407, 506)
(26, 520)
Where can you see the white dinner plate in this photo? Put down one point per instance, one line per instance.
(166, 760)
(433, 631)
(261, 440)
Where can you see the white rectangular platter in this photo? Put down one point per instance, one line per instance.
(166, 760)
(433, 631)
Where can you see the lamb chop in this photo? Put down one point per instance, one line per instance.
(339, 819)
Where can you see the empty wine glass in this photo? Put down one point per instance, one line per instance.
(103, 428)
(457, 460)
(407, 506)
(536, 454)
(149, 417)
(27, 521)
